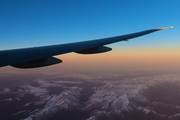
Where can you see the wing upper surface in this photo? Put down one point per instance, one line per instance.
(16, 56)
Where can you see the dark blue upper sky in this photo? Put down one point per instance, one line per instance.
(27, 23)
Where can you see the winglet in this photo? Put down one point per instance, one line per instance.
(163, 28)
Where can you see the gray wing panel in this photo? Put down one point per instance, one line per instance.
(16, 56)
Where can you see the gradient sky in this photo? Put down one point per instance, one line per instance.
(29, 23)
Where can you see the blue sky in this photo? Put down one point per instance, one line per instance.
(28, 23)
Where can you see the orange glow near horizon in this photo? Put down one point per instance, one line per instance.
(115, 60)
(167, 58)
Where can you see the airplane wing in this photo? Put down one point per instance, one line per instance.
(43, 56)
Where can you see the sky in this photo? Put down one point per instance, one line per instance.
(29, 23)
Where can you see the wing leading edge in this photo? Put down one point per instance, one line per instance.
(42, 56)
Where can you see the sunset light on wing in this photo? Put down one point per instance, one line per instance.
(164, 28)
